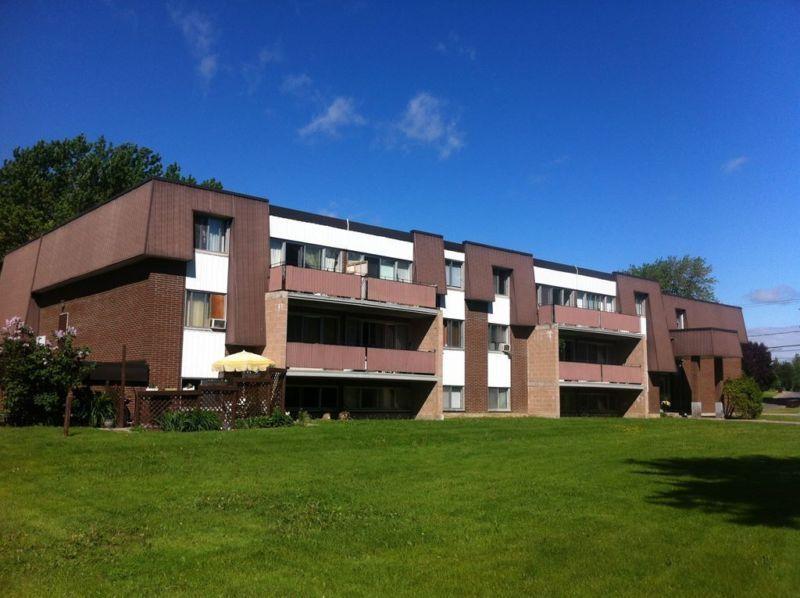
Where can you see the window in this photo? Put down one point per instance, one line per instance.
(202, 307)
(211, 234)
(453, 334)
(498, 337)
(386, 268)
(312, 328)
(547, 295)
(375, 398)
(680, 318)
(583, 351)
(641, 304)
(501, 278)
(376, 334)
(452, 270)
(303, 255)
(312, 398)
(453, 397)
(498, 399)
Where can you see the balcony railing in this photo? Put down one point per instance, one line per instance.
(351, 286)
(342, 357)
(594, 372)
(588, 318)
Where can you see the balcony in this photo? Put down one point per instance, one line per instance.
(588, 318)
(594, 372)
(341, 357)
(350, 286)
(306, 280)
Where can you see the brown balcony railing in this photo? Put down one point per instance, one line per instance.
(341, 357)
(622, 374)
(586, 372)
(308, 280)
(595, 372)
(397, 360)
(405, 293)
(351, 286)
(325, 357)
(588, 318)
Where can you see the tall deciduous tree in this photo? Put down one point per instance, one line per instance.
(45, 185)
(757, 363)
(686, 276)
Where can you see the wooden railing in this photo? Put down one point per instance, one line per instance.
(341, 357)
(588, 318)
(595, 372)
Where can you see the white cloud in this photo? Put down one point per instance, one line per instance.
(339, 114)
(782, 293)
(425, 123)
(253, 72)
(199, 33)
(296, 84)
(455, 47)
(734, 164)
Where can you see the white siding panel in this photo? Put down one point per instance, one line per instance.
(453, 255)
(579, 282)
(499, 370)
(454, 305)
(453, 367)
(501, 311)
(201, 348)
(329, 236)
(207, 272)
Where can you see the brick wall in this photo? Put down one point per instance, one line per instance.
(276, 312)
(140, 306)
(433, 340)
(519, 368)
(542, 383)
(476, 357)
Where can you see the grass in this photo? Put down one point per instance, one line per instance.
(501, 507)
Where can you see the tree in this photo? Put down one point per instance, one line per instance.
(757, 363)
(787, 373)
(686, 276)
(35, 377)
(45, 185)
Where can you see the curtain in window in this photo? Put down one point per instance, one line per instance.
(403, 271)
(387, 269)
(332, 260)
(217, 306)
(313, 257)
(197, 310)
(217, 235)
(275, 252)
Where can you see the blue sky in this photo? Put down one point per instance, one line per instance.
(600, 134)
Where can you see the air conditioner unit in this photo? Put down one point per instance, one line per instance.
(218, 324)
(505, 348)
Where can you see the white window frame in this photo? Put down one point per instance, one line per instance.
(208, 295)
(226, 238)
(504, 327)
(447, 394)
(498, 390)
(449, 265)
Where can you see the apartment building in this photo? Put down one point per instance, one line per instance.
(371, 320)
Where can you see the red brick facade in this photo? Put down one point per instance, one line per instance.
(140, 306)
(476, 357)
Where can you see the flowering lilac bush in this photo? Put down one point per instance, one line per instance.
(35, 377)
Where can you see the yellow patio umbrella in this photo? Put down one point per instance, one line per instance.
(243, 361)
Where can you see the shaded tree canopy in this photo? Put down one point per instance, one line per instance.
(45, 185)
(685, 276)
(757, 363)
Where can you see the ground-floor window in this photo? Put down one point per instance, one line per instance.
(312, 398)
(453, 398)
(498, 399)
(376, 398)
(587, 402)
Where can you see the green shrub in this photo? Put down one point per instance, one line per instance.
(196, 420)
(276, 420)
(93, 408)
(303, 418)
(741, 398)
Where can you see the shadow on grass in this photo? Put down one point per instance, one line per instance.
(750, 490)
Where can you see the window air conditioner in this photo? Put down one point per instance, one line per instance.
(505, 348)
(218, 324)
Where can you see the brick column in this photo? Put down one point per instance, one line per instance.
(476, 357)
(276, 313)
(519, 368)
(544, 397)
(166, 329)
(638, 357)
(433, 340)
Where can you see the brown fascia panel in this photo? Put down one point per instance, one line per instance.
(429, 260)
(479, 263)
(16, 282)
(705, 314)
(659, 347)
(155, 219)
(706, 342)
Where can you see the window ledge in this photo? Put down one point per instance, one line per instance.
(207, 252)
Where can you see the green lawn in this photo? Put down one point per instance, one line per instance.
(496, 507)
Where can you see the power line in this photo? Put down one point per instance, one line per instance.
(770, 303)
(796, 345)
(776, 333)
